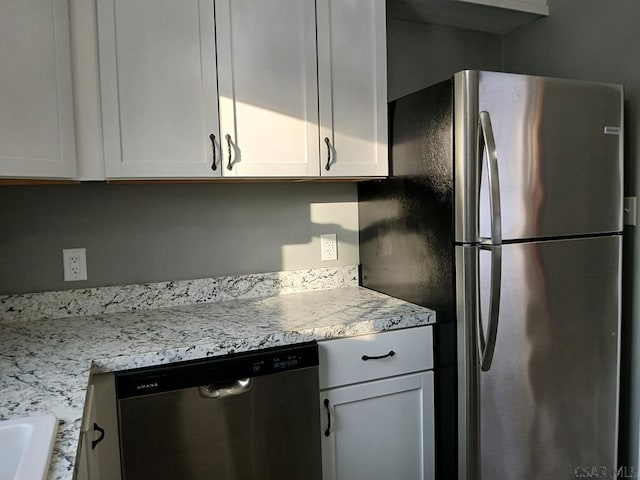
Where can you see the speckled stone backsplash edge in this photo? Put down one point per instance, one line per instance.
(127, 298)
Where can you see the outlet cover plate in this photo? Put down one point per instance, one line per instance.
(74, 262)
(328, 247)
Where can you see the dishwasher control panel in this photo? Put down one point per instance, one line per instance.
(282, 362)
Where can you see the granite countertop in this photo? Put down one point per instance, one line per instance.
(45, 364)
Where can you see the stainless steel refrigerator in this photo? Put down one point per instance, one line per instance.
(503, 211)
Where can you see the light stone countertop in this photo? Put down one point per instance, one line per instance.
(45, 364)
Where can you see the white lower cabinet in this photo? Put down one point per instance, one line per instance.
(86, 467)
(99, 451)
(379, 430)
(378, 426)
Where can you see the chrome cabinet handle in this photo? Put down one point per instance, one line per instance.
(327, 167)
(327, 432)
(212, 137)
(388, 355)
(487, 343)
(97, 428)
(229, 165)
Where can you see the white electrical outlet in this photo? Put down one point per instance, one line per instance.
(75, 264)
(328, 247)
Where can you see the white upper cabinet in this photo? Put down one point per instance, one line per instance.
(158, 88)
(352, 73)
(36, 113)
(267, 87)
(169, 71)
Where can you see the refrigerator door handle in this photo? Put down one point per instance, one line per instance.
(487, 142)
(487, 343)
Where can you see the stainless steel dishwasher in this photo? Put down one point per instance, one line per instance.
(252, 416)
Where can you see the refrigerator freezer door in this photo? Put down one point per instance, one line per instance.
(547, 407)
(559, 150)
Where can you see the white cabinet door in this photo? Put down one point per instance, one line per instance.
(158, 88)
(88, 467)
(379, 430)
(268, 87)
(36, 104)
(99, 455)
(352, 73)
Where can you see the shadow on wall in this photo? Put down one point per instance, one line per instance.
(159, 232)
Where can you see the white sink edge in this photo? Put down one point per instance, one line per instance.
(35, 459)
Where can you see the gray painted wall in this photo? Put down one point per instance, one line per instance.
(599, 41)
(419, 55)
(156, 232)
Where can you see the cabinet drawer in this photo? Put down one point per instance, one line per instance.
(341, 360)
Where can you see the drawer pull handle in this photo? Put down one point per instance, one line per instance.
(327, 432)
(388, 355)
(229, 164)
(212, 137)
(97, 428)
(327, 167)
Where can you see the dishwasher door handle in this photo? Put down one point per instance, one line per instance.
(217, 390)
